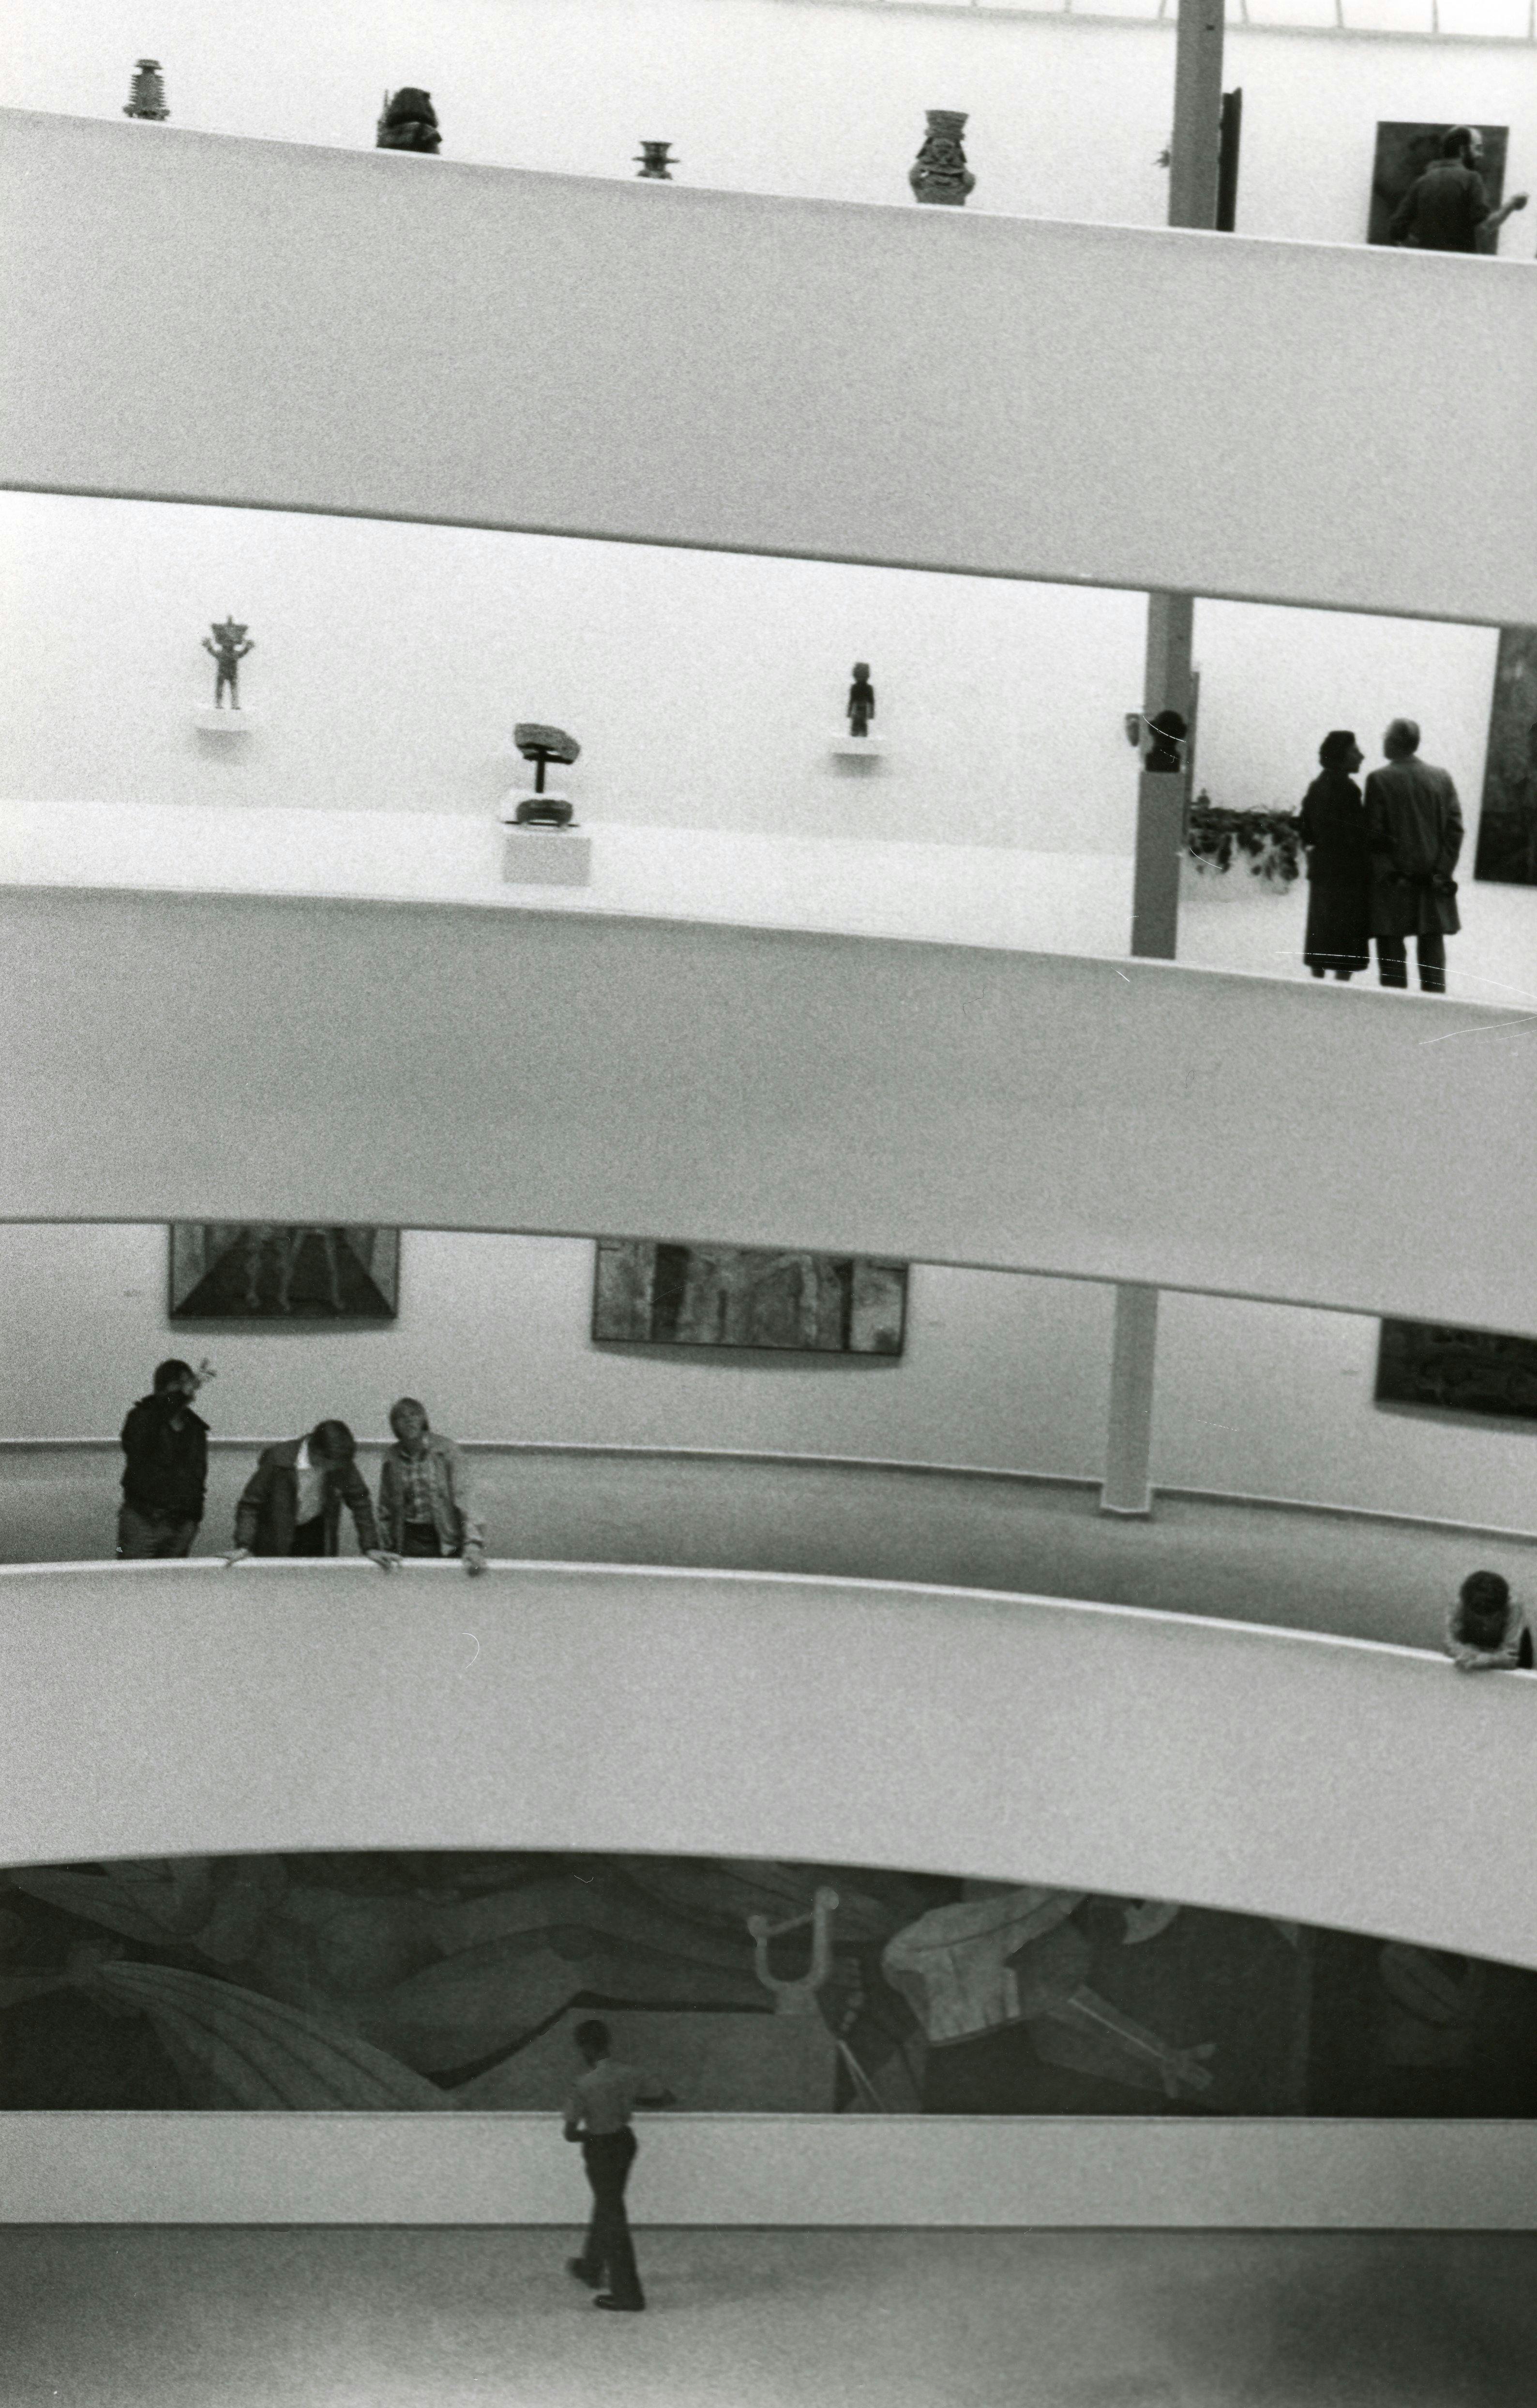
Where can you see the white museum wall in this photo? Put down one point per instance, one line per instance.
(788, 96)
(1001, 1371)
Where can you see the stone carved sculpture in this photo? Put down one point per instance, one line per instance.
(1167, 734)
(229, 645)
(147, 93)
(542, 745)
(939, 174)
(861, 702)
(409, 122)
(653, 162)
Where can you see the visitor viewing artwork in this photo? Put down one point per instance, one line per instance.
(1408, 153)
(443, 1981)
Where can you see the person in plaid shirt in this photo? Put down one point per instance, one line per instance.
(427, 1502)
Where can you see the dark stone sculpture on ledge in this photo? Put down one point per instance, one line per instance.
(939, 174)
(861, 704)
(1166, 750)
(541, 745)
(653, 162)
(147, 93)
(229, 646)
(409, 122)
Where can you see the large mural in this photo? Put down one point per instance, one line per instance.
(449, 1982)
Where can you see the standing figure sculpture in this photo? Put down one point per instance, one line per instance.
(408, 122)
(940, 173)
(228, 644)
(861, 702)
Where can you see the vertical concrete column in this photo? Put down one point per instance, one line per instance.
(1128, 1441)
(1194, 170)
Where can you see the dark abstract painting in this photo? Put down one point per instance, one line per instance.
(283, 1273)
(648, 1292)
(1456, 1370)
(1405, 150)
(441, 1982)
(1507, 823)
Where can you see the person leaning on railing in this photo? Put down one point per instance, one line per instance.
(1486, 1629)
(426, 1500)
(291, 1504)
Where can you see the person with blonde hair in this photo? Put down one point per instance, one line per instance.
(427, 1498)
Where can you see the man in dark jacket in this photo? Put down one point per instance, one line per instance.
(292, 1503)
(167, 1474)
(1413, 828)
(1448, 208)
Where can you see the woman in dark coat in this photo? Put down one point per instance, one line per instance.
(1333, 826)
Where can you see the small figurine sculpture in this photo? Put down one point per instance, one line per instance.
(229, 645)
(1165, 754)
(147, 93)
(409, 122)
(541, 745)
(940, 173)
(653, 162)
(861, 703)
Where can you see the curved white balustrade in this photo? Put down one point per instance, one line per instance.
(208, 319)
(162, 1709)
(439, 1068)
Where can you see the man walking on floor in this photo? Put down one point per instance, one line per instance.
(1413, 830)
(166, 1476)
(598, 2115)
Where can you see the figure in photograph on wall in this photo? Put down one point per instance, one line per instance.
(861, 702)
(1437, 187)
(426, 1496)
(1413, 827)
(297, 1272)
(1333, 824)
(1507, 821)
(292, 1503)
(229, 645)
(165, 1474)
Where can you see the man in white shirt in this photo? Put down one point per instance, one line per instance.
(293, 1501)
(597, 2114)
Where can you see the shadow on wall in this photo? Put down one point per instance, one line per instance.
(435, 1981)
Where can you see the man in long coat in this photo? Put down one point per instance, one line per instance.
(1413, 827)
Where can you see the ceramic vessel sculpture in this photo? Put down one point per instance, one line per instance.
(409, 122)
(147, 93)
(653, 162)
(939, 174)
(541, 745)
(228, 644)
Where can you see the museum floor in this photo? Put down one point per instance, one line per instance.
(106, 2316)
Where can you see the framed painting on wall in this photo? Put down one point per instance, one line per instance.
(1456, 1370)
(1507, 821)
(1405, 150)
(290, 1273)
(647, 1292)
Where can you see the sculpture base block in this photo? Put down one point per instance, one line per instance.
(857, 748)
(224, 723)
(546, 856)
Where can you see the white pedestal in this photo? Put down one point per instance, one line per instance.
(858, 748)
(544, 856)
(224, 723)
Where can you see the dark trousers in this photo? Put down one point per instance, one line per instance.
(142, 1535)
(1393, 961)
(419, 1539)
(309, 1538)
(610, 2250)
